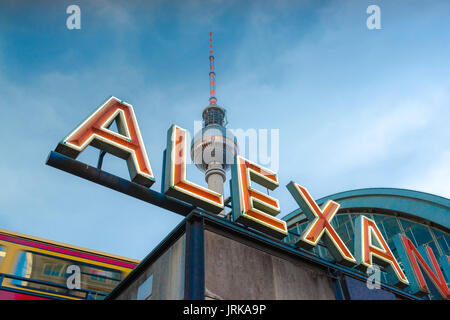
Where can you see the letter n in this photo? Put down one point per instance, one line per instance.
(415, 261)
(126, 144)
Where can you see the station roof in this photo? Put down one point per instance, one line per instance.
(416, 205)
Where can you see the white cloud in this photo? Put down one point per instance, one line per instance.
(375, 133)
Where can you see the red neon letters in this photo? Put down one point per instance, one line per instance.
(320, 224)
(176, 184)
(370, 247)
(126, 144)
(414, 262)
(252, 207)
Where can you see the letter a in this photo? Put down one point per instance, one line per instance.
(74, 280)
(371, 247)
(127, 144)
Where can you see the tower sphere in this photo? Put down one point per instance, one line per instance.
(214, 144)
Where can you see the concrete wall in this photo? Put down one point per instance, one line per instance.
(168, 275)
(234, 270)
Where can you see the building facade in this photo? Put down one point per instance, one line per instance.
(422, 217)
(207, 257)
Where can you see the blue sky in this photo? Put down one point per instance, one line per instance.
(355, 108)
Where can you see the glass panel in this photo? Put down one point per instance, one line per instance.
(443, 244)
(315, 250)
(302, 227)
(435, 249)
(351, 244)
(434, 293)
(2, 253)
(342, 231)
(353, 217)
(391, 278)
(382, 230)
(437, 232)
(292, 237)
(443, 239)
(340, 219)
(349, 229)
(391, 245)
(324, 253)
(289, 239)
(447, 239)
(374, 240)
(410, 236)
(406, 224)
(383, 277)
(421, 234)
(293, 230)
(52, 270)
(391, 227)
(378, 218)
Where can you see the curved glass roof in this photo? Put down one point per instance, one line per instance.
(415, 205)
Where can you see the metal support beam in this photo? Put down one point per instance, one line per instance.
(194, 287)
(111, 181)
(100, 159)
(339, 284)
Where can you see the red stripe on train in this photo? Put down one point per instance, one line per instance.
(8, 295)
(66, 251)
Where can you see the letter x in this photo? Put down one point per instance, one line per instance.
(320, 224)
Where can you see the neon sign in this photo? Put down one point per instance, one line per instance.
(127, 144)
(370, 245)
(417, 260)
(176, 184)
(320, 224)
(251, 207)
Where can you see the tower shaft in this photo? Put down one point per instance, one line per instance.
(215, 177)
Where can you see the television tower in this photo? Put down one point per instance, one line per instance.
(214, 147)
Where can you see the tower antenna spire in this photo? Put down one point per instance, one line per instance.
(212, 75)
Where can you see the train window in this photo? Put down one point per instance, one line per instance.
(2, 253)
(51, 272)
(52, 269)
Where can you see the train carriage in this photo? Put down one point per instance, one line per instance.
(32, 268)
